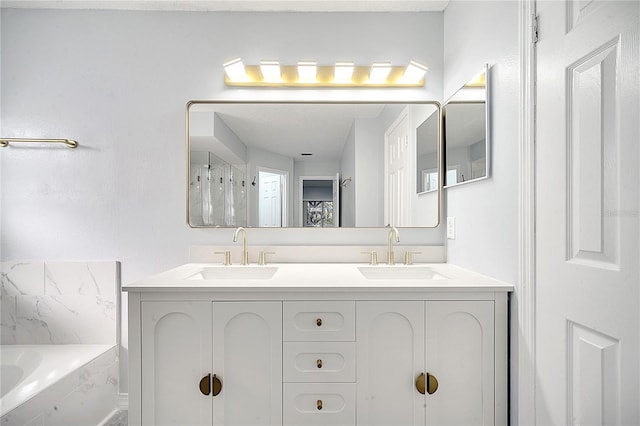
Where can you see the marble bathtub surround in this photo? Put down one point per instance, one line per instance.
(59, 302)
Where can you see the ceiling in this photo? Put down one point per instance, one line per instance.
(291, 129)
(238, 5)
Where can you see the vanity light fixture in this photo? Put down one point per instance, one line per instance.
(271, 71)
(235, 70)
(379, 72)
(307, 72)
(414, 72)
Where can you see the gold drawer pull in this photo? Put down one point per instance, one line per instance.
(319, 363)
(319, 322)
(319, 404)
(426, 383)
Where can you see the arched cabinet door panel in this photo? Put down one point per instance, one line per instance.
(247, 355)
(390, 354)
(176, 354)
(460, 355)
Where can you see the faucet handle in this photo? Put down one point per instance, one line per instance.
(262, 259)
(408, 257)
(227, 256)
(373, 260)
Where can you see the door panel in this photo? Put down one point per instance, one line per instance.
(398, 171)
(390, 350)
(176, 354)
(247, 357)
(460, 354)
(587, 196)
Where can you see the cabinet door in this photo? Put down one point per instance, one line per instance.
(247, 357)
(390, 351)
(460, 354)
(176, 354)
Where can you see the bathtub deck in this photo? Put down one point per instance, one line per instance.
(72, 381)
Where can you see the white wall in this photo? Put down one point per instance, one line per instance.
(118, 82)
(486, 212)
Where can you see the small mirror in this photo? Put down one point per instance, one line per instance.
(466, 132)
(313, 164)
(427, 154)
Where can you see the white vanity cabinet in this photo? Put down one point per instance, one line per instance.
(334, 351)
(185, 343)
(451, 343)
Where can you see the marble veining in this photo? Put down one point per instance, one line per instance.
(59, 302)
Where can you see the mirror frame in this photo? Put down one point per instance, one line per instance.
(487, 127)
(440, 147)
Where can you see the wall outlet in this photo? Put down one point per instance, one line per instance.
(451, 228)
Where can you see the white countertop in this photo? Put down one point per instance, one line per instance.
(317, 277)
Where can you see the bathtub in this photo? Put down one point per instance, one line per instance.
(57, 384)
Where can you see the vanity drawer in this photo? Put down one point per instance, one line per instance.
(319, 321)
(319, 362)
(319, 404)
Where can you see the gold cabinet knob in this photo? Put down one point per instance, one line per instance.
(319, 404)
(206, 383)
(426, 383)
(319, 322)
(319, 363)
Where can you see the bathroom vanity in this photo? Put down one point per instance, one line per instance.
(318, 344)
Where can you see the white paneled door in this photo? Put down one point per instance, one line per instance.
(587, 216)
(398, 159)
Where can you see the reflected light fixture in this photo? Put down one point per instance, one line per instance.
(307, 71)
(271, 71)
(235, 70)
(379, 72)
(478, 80)
(414, 72)
(343, 72)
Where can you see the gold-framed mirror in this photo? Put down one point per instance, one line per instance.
(312, 163)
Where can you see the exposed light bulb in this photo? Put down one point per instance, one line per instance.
(343, 72)
(307, 71)
(270, 71)
(235, 70)
(414, 72)
(379, 72)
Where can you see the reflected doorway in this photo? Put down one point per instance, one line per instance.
(319, 201)
(272, 205)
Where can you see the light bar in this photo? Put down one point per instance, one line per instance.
(270, 71)
(343, 74)
(235, 70)
(307, 71)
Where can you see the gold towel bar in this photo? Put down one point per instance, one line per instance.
(68, 142)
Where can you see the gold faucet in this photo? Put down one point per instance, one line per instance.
(391, 256)
(245, 252)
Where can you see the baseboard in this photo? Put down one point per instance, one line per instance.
(123, 401)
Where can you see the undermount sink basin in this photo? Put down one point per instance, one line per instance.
(234, 273)
(399, 272)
